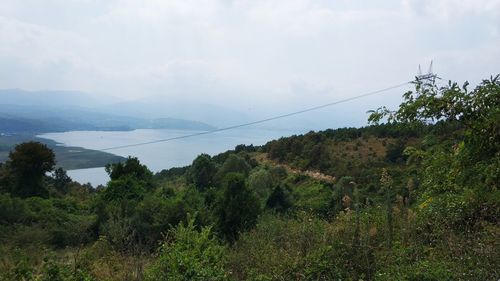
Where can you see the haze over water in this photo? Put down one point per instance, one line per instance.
(163, 155)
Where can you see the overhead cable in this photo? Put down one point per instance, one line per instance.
(259, 121)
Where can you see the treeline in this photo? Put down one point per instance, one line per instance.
(415, 198)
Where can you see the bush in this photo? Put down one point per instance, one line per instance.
(424, 270)
(279, 248)
(189, 254)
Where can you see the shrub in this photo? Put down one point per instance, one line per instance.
(189, 254)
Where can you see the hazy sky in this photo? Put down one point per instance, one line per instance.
(298, 52)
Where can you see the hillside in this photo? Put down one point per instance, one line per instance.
(34, 119)
(403, 199)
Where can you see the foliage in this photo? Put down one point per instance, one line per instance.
(189, 254)
(313, 197)
(29, 162)
(279, 200)
(202, 172)
(261, 182)
(131, 168)
(416, 198)
(478, 113)
(286, 249)
(58, 222)
(233, 164)
(237, 208)
(124, 188)
(61, 180)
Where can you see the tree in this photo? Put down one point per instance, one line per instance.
(29, 162)
(234, 164)
(278, 174)
(61, 180)
(5, 178)
(277, 150)
(261, 183)
(279, 200)
(456, 166)
(478, 111)
(395, 151)
(202, 172)
(476, 150)
(238, 207)
(131, 168)
(124, 188)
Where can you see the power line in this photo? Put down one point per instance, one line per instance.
(259, 121)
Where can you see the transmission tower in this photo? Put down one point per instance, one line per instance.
(429, 76)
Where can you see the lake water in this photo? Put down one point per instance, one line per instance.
(158, 156)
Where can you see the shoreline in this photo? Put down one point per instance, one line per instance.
(67, 157)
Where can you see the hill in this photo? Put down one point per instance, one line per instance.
(35, 119)
(414, 198)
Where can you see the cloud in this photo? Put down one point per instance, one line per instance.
(36, 44)
(453, 11)
(282, 53)
(157, 14)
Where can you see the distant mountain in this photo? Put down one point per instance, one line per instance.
(15, 118)
(56, 111)
(50, 98)
(157, 107)
(71, 110)
(14, 125)
(150, 107)
(180, 124)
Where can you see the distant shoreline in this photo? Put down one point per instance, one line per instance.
(66, 156)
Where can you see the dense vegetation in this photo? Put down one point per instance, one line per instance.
(415, 198)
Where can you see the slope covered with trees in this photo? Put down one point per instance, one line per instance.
(414, 198)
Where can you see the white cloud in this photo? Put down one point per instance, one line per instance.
(242, 51)
(453, 10)
(157, 12)
(37, 44)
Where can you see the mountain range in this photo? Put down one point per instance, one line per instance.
(56, 111)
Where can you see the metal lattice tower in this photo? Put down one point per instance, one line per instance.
(429, 76)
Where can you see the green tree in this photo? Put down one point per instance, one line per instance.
(6, 178)
(279, 200)
(130, 168)
(125, 188)
(237, 208)
(61, 180)
(473, 155)
(29, 162)
(261, 183)
(233, 164)
(202, 172)
(395, 151)
(278, 174)
(457, 170)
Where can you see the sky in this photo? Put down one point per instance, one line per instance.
(245, 54)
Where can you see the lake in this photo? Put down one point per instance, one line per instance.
(159, 156)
